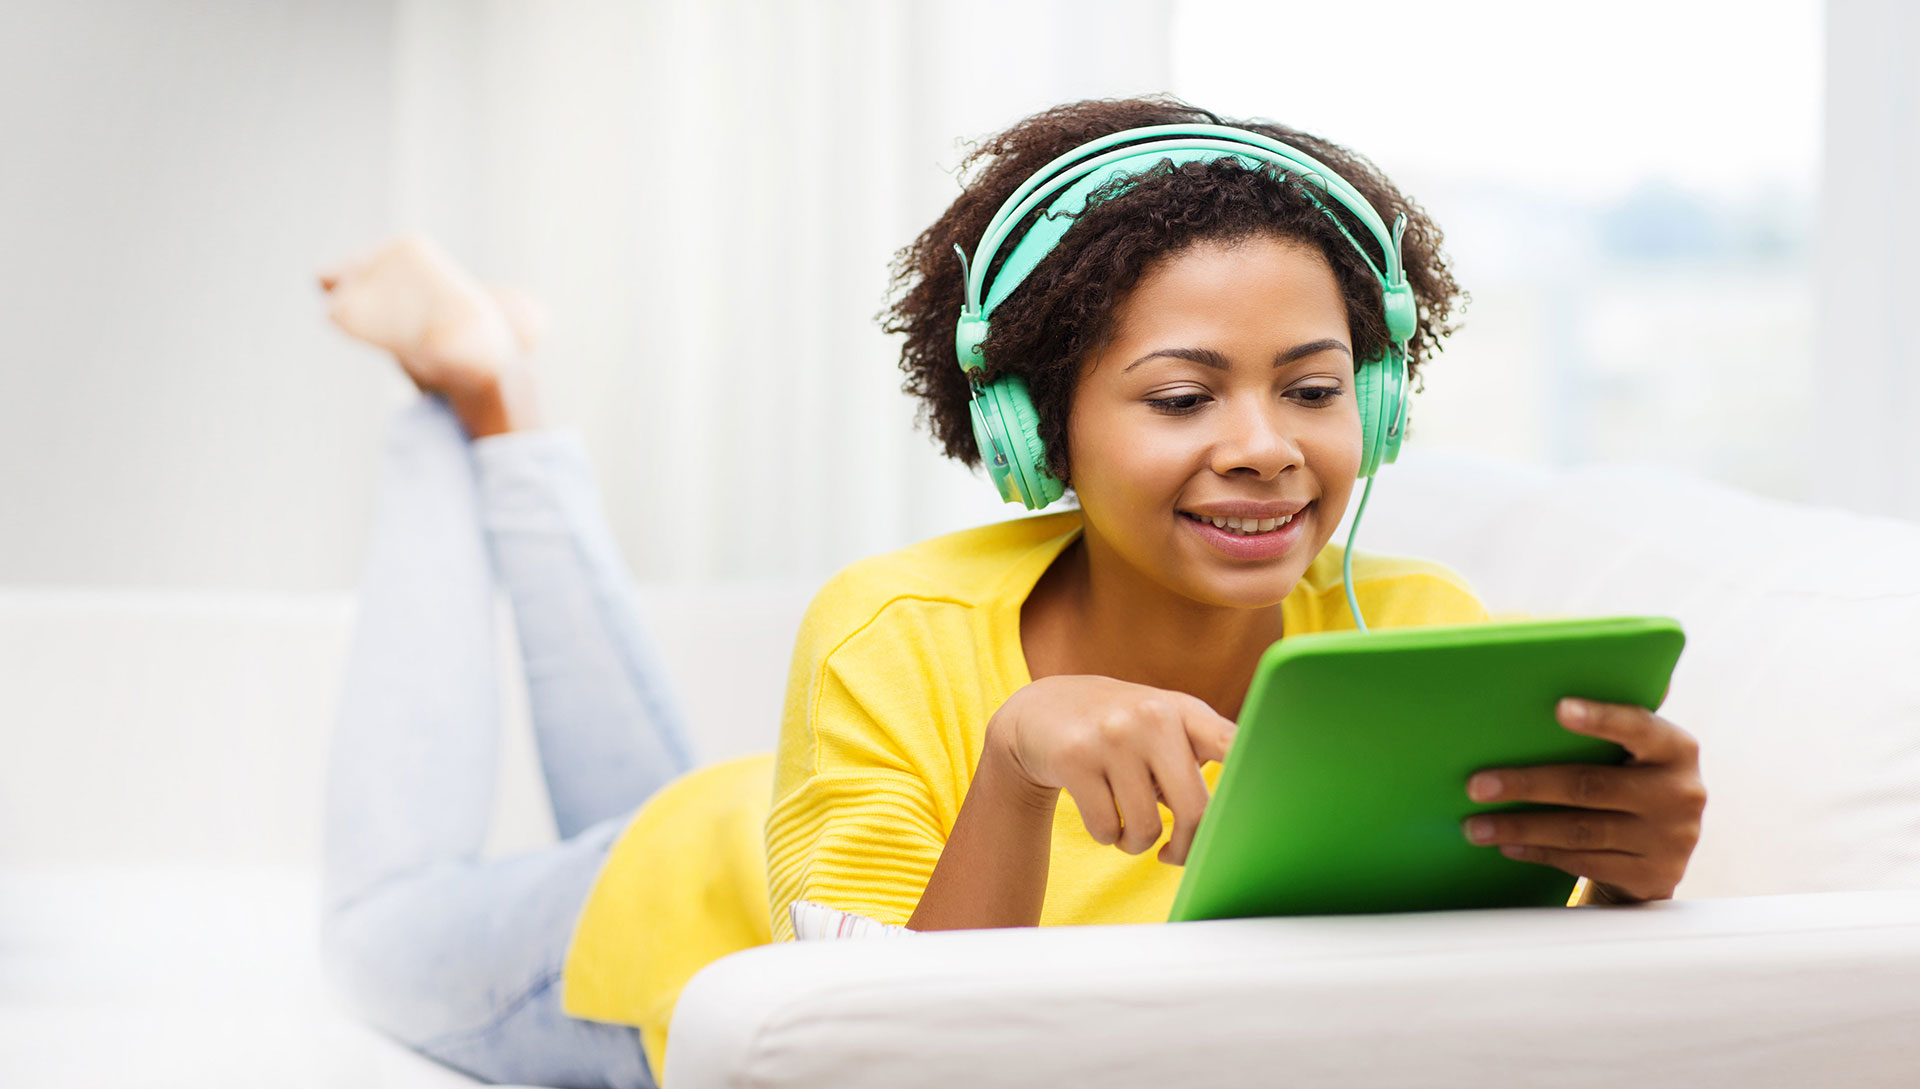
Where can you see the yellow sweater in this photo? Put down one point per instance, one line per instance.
(899, 663)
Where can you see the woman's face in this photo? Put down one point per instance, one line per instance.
(1225, 393)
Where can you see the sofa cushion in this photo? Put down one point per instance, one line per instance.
(1757, 992)
(180, 975)
(1803, 625)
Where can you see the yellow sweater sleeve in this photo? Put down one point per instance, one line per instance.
(878, 739)
(854, 824)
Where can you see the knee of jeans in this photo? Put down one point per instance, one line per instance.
(373, 966)
(351, 959)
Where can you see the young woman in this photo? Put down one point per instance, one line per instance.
(1190, 341)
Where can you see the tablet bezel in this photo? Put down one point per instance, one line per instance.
(1362, 812)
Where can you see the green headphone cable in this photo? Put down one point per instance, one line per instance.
(1346, 558)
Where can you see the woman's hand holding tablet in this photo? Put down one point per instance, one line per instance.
(1630, 828)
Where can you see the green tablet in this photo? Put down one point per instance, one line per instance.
(1346, 784)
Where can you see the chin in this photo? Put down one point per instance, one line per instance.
(1247, 589)
(1223, 583)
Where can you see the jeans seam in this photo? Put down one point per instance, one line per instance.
(556, 483)
(665, 717)
(514, 1005)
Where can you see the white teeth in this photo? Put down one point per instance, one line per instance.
(1249, 526)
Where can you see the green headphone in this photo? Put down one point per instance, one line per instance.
(1005, 426)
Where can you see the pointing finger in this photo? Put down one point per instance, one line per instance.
(1208, 732)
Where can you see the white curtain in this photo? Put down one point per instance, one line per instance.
(1867, 388)
(709, 195)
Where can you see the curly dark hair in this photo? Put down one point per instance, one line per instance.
(1064, 309)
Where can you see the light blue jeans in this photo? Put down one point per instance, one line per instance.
(457, 956)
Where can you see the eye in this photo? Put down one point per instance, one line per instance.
(1317, 396)
(1178, 406)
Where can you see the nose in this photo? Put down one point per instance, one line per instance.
(1253, 440)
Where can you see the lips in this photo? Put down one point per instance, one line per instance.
(1250, 531)
(1247, 508)
(1244, 526)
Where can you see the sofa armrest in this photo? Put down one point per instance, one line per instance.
(1817, 989)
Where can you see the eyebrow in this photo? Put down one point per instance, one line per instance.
(1207, 357)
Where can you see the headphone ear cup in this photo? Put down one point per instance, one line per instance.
(1040, 487)
(1379, 388)
(989, 434)
(1007, 430)
(1393, 405)
(1367, 398)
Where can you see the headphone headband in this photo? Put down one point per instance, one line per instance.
(1151, 143)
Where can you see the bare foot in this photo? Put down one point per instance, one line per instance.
(452, 337)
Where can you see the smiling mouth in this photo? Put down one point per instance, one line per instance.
(1246, 527)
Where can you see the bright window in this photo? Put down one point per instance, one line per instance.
(1628, 193)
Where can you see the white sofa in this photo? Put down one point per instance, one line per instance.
(161, 793)
(1799, 678)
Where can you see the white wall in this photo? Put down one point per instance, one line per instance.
(1868, 381)
(1631, 212)
(172, 410)
(175, 413)
(707, 193)
(710, 195)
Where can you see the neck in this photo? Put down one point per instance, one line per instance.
(1110, 620)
